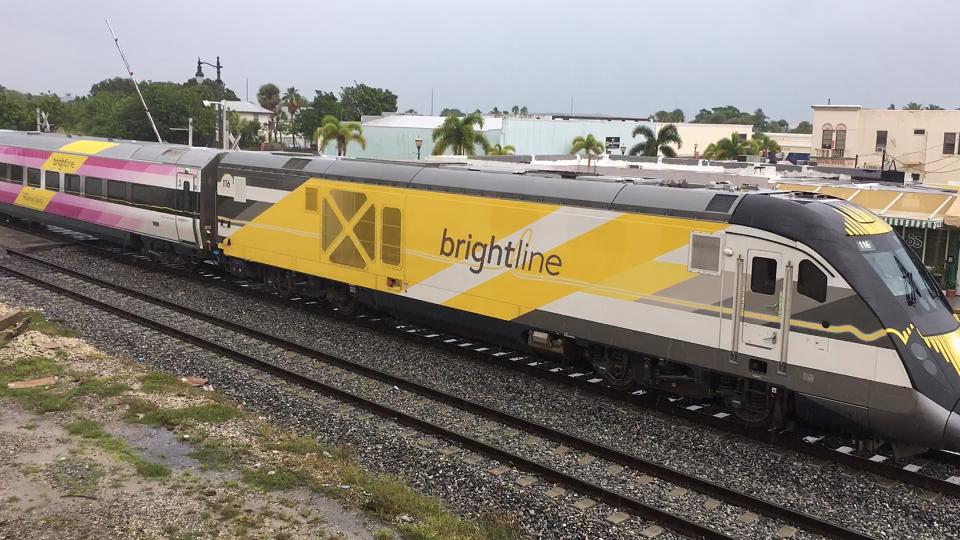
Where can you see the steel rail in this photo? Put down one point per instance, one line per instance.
(671, 521)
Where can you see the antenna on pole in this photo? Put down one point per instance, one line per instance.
(116, 40)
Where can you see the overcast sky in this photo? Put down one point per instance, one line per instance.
(614, 57)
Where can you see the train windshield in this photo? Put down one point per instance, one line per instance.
(902, 274)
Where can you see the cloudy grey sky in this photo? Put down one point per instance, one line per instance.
(615, 57)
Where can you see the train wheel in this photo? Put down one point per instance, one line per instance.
(618, 372)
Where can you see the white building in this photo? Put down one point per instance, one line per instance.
(924, 144)
(247, 110)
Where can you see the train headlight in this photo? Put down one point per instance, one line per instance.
(922, 354)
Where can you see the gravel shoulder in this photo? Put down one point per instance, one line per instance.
(852, 498)
(107, 448)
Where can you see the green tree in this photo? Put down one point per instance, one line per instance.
(912, 106)
(15, 112)
(803, 127)
(656, 143)
(515, 110)
(588, 145)
(342, 133)
(674, 116)
(292, 100)
(249, 133)
(460, 134)
(763, 145)
(728, 148)
(268, 96)
(497, 150)
(360, 99)
(310, 119)
(932, 107)
(448, 112)
(523, 111)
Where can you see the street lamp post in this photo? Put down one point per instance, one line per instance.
(419, 142)
(199, 76)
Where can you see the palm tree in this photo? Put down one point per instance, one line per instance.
(728, 148)
(523, 111)
(589, 145)
(659, 143)
(764, 145)
(269, 98)
(461, 135)
(497, 150)
(293, 101)
(340, 132)
(515, 110)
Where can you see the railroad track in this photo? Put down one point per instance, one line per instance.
(816, 445)
(616, 498)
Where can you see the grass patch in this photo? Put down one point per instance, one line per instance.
(388, 497)
(275, 478)
(217, 456)
(100, 387)
(75, 476)
(163, 383)
(41, 400)
(40, 323)
(88, 429)
(143, 412)
(297, 445)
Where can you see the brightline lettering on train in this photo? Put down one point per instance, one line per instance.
(519, 257)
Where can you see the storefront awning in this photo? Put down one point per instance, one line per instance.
(899, 208)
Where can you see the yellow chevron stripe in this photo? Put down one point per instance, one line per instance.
(947, 345)
(858, 221)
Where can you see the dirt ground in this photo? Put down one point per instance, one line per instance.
(111, 450)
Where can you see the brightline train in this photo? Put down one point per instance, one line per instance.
(783, 306)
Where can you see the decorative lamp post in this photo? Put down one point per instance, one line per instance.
(199, 75)
(419, 142)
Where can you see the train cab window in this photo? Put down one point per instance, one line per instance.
(16, 174)
(763, 275)
(72, 183)
(811, 282)
(33, 177)
(390, 235)
(51, 180)
(116, 191)
(93, 187)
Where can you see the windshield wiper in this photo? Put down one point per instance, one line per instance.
(914, 291)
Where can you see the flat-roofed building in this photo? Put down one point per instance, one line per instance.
(922, 143)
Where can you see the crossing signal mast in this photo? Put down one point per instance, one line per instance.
(123, 57)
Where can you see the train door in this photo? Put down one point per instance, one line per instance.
(757, 327)
(187, 208)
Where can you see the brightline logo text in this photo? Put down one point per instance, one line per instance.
(519, 257)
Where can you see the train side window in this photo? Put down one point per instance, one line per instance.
(16, 174)
(51, 180)
(94, 187)
(116, 191)
(811, 282)
(4, 172)
(763, 275)
(33, 177)
(157, 197)
(390, 235)
(72, 183)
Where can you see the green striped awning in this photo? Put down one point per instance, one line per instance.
(916, 223)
